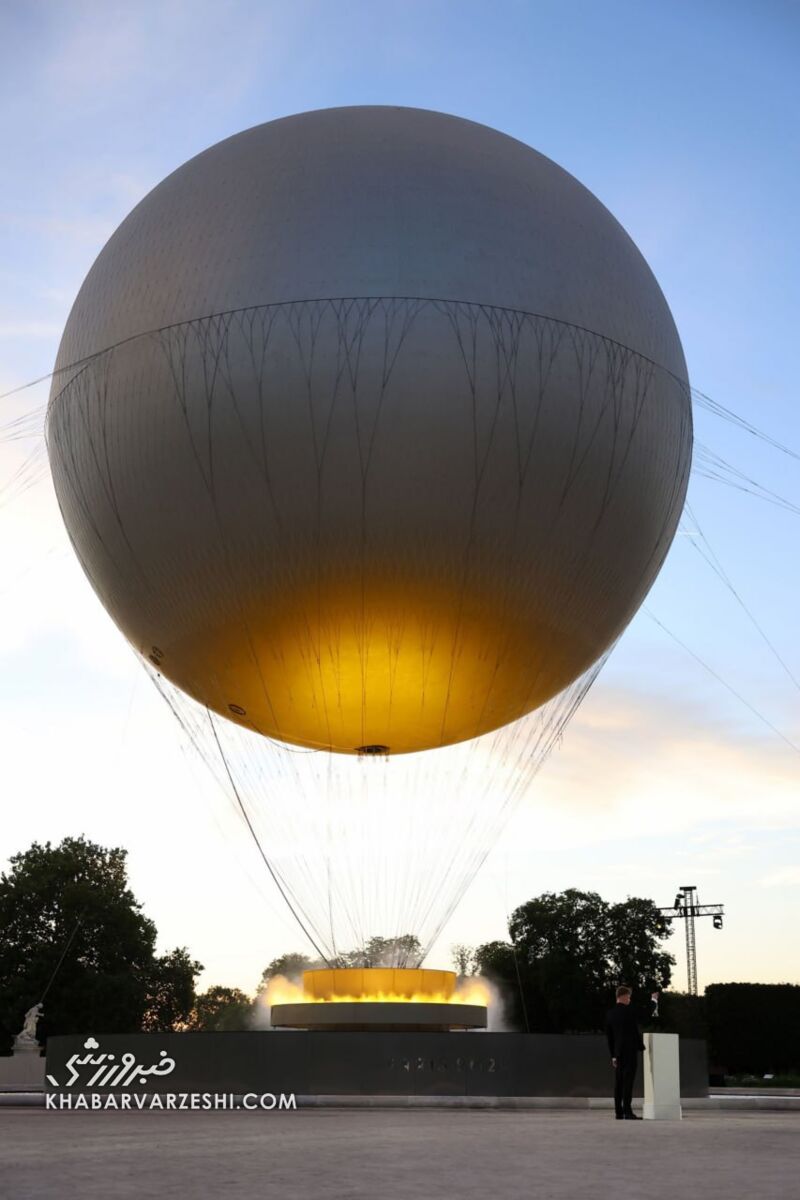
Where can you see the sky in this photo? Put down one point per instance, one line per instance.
(684, 119)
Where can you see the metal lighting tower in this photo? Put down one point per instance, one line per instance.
(686, 907)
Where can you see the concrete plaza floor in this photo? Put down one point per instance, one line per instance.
(395, 1155)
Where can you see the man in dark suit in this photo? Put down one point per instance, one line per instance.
(624, 1044)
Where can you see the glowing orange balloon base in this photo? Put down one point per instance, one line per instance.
(393, 664)
(379, 985)
(373, 998)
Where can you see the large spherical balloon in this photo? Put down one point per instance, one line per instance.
(371, 428)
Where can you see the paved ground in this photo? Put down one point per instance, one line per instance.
(395, 1155)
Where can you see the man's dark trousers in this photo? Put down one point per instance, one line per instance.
(624, 1044)
(624, 1076)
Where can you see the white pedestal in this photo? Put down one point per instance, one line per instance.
(23, 1071)
(662, 1077)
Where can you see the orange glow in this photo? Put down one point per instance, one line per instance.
(357, 983)
(397, 662)
(381, 985)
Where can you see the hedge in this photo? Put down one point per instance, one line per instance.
(754, 1027)
(680, 1012)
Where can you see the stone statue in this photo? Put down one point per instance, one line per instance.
(26, 1038)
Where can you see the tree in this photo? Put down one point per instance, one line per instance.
(402, 951)
(72, 928)
(221, 1009)
(569, 950)
(289, 965)
(636, 929)
(170, 997)
(495, 960)
(463, 959)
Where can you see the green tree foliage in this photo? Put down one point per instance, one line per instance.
(221, 1009)
(73, 900)
(289, 965)
(568, 951)
(496, 960)
(637, 927)
(170, 991)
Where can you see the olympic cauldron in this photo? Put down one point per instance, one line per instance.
(381, 999)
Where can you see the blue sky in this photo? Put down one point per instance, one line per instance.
(684, 120)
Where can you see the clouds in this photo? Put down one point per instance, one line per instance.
(636, 764)
(646, 794)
